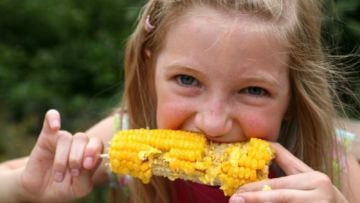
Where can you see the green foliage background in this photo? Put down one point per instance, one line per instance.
(67, 55)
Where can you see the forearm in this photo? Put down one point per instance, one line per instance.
(10, 173)
(351, 180)
(355, 148)
(14, 164)
(10, 187)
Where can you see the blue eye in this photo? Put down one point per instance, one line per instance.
(187, 80)
(256, 91)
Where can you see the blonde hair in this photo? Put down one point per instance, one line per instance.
(308, 130)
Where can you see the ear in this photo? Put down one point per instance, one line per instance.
(147, 53)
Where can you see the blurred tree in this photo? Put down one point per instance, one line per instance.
(341, 32)
(343, 25)
(63, 54)
(67, 54)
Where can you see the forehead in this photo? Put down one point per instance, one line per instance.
(228, 20)
(202, 31)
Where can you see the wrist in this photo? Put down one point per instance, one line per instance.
(20, 192)
(10, 188)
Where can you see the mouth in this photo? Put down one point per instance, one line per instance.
(224, 139)
(220, 139)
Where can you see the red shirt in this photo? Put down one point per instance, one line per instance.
(191, 192)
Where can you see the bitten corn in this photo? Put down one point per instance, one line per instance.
(175, 154)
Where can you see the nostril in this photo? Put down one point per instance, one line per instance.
(213, 125)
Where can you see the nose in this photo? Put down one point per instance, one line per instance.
(213, 121)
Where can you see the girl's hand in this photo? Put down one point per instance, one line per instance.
(60, 166)
(301, 184)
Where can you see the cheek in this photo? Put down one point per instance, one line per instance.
(261, 127)
(171, 115)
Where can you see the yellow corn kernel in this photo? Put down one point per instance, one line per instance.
(266, 188)
(188, 155)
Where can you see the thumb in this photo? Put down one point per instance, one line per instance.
(289, 163)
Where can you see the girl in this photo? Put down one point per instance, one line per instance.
(228, 69)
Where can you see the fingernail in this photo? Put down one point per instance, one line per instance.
(88, 162)
(58, 176)
(237, 199)
(75, 172)
(55, 123)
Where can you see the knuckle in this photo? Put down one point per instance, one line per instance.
(63, 142)
(94, 143)
(65, 135)
(322, 179)
(81, 137)
(95, 139)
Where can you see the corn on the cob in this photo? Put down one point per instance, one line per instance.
(187, 155)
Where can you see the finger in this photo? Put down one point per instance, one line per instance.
(80, 140)
(51, 121)
(295, 182)
(42, 155)
(61, 156)
(51, 125)
(284, 195)
(92, 153)
(288, 162)
(83, 183)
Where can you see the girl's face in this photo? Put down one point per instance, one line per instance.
(219, 75)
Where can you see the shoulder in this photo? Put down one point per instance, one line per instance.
(103, 129)
(352, 126)
(120, 121)
(106, 128)
(348, 134)
(345, 138)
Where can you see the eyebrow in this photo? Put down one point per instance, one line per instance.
(262, 80)
(178, 66)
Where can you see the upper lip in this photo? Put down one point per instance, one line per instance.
(220, 139)
(216, 139)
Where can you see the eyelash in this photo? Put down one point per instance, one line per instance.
(181, 80)
(259, 92)
(190, 81)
